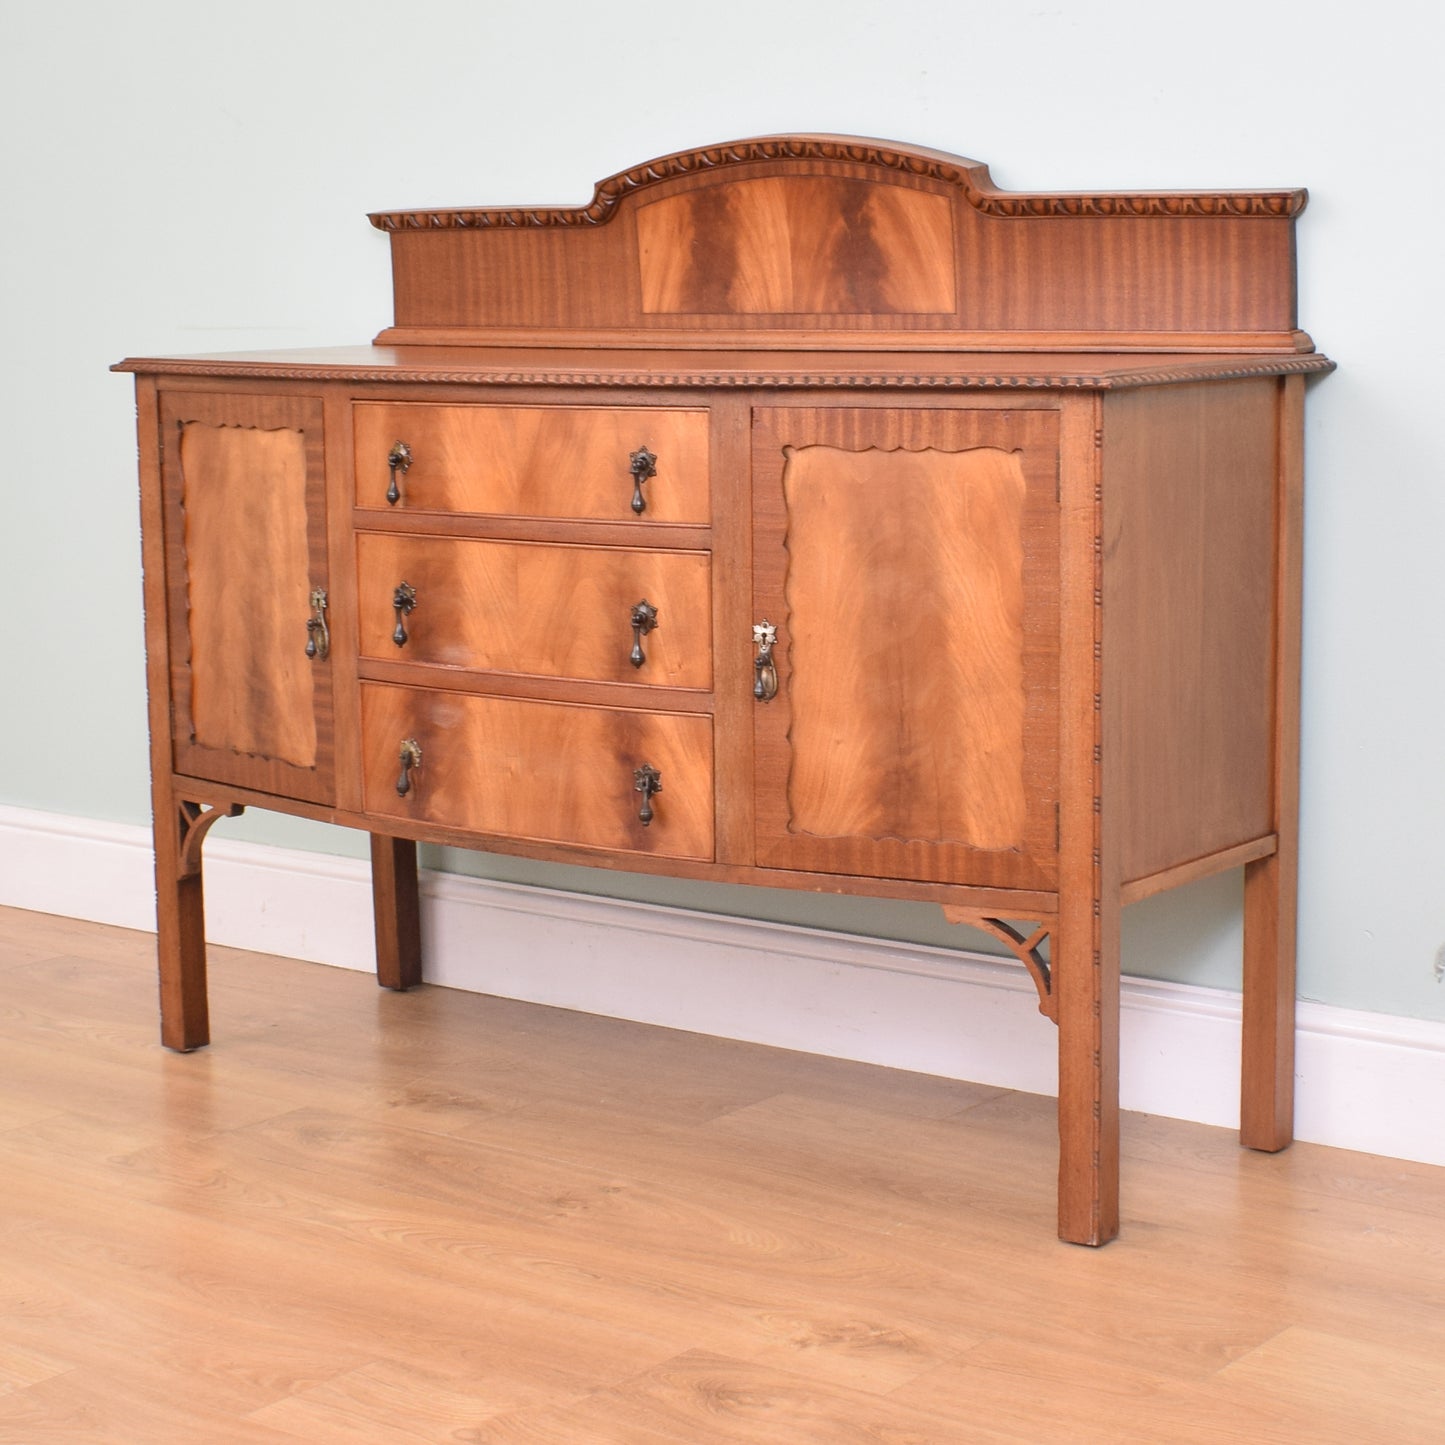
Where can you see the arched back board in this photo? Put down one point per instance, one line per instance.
(833, 241)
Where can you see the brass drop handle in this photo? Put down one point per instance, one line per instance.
(398, 459)
(410, 759)
(644, 468)
(765, 671)
(647, 781)
(644, 619)
(318, 634)
(402, 600)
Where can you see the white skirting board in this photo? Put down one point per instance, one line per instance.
(961, 1015)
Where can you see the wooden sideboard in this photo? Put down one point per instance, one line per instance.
(803, 511)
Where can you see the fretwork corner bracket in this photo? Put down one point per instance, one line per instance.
(193, 822)
(1024, 947)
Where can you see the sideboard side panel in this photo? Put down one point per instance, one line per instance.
(1189, 599)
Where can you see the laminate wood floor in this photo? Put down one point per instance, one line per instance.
(369, 1219)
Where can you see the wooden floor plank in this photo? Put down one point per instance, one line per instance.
(1328, 1387)
(373, 1218)
(699, 1396)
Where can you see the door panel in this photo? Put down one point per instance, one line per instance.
(243, 484)
(909, 560)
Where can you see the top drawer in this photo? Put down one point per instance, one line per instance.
(535, 461)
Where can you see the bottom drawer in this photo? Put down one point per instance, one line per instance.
(554, 772)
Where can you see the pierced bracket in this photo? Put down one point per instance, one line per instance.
(647, 781)
(643, 465)
(644, 619)
(193, 822)
(403, 600)
(398, 459)
(318, 634)
(1024, 947)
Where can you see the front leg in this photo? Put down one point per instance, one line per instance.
(180, 827)
(1086, 982)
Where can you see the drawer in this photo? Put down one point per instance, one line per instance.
(546, 771)
(539, 608)
(553, 461)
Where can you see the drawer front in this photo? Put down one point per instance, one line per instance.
(545, 771)
(538, 608)
(574, 462)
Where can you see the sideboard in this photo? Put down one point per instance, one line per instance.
(804, 511)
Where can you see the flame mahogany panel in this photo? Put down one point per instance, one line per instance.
(820, 234)
(547, 771)
(539, 608)
(541, 461)
(775, 246)
(910, 562)
(244, 496)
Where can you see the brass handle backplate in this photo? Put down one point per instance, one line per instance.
(765, 671)
(318, 634)
(403, 600)
(410, 760)
(398, 459)
(647, 781)
(644, 468)
(644, 619)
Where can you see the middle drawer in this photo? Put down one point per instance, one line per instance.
(606, 614)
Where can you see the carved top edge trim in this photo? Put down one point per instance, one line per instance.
(1192, 370)
(971, 177)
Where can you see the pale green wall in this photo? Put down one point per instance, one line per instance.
(187, 177)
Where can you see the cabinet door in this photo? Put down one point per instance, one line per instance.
(909, 562)
(244, 495)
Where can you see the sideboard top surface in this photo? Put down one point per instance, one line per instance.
(483, 366)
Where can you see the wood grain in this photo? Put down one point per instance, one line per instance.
(549, 611)
(735, 232)
(251, 682)
(1085, 946)
(243, 485)
(396, 911)
(557, 461)
(905, 640)
(1190, 596)
(520, 357)
(1271, 887)
(541, 770)
(909, 560)
(369, 1228)
(823, 245)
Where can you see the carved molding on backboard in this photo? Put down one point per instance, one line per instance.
(970, 177)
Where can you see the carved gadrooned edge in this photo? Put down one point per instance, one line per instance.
(970, 177)
(193, 822)
(1024, 947)
(972, 381)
